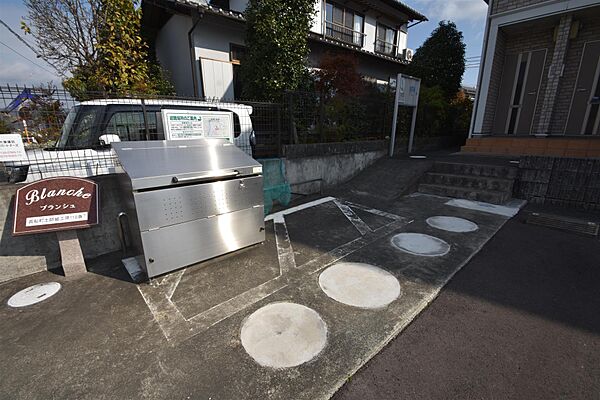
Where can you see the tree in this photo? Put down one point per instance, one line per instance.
(440, 61)
(65, 31)
(338, 74)
(98, 42)
(277, 39)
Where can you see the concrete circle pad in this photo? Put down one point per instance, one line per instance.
(34, 294)
(452, 224)
(420, 244)
(283, 335)
(359, 285)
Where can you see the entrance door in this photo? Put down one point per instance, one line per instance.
(584, 115)
(518, 94)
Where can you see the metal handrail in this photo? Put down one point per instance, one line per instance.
(344, 34)
(384, 47)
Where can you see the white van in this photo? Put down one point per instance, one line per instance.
(91, 126)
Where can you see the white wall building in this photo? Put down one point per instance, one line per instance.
(200, 42)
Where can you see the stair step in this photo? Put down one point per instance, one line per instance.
(477, 182)
(488, 196)
(485, 170)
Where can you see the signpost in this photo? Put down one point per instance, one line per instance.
(407, 94)
(190, 124)
(61, 205)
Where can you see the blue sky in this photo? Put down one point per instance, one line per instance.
(469, 16)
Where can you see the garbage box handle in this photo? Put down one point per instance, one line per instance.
(203, 177)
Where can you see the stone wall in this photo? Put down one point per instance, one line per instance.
(566, 182)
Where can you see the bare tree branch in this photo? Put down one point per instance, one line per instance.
(65, 31)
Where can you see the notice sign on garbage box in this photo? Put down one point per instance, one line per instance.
(190, 124)
(55, 204)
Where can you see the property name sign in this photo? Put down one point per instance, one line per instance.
(55, 204)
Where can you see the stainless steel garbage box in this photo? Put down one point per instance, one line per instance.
(189, 200)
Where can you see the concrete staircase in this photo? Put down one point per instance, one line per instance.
(488, 183)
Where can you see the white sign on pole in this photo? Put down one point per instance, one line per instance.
(190, 124)
(407, 94)
(12, 148)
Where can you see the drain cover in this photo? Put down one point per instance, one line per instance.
(452, 224)
(359, 285)
(420, 244)
(564, 223)
(283, 335)
(34, 294)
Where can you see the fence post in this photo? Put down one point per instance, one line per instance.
(145, 115)
(394, 119)
(321, 116)
(293, 133)
(279, 149)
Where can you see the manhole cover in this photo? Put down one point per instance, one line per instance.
(283, 335)
(34, 294)
(359, 285)
(420, 244)
(452, 224)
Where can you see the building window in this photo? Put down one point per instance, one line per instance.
(516, 103)
(130, 125)
(344, 24)
(236, 55)
(386, 40)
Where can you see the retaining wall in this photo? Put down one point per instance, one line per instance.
(311, 168)
(566, 182)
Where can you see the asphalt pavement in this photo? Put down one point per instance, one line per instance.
(520, 321)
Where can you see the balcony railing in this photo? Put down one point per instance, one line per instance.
(387, 48)
(344, 34)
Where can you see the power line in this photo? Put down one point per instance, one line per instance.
(28, 59)
(30, 48)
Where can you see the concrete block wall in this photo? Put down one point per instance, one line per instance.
(566, 182)
(312, 167)
(499, 6)
(24, 255)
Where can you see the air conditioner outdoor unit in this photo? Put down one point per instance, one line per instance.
(407, 54)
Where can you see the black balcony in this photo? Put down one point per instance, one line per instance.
(387, 48)
(344, 34)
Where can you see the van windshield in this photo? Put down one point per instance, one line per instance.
(79, 128)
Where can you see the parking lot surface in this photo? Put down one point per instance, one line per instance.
(277, 320)
(519, 321)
